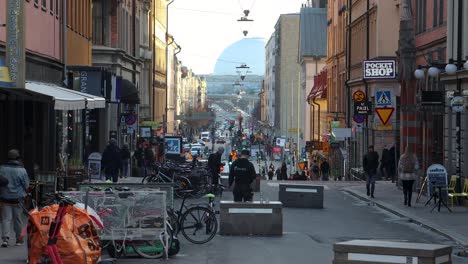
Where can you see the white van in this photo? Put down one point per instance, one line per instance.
(205, 136)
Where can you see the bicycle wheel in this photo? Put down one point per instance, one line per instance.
(181, 183)
(198, 224)
(115, 249)
(153, 249)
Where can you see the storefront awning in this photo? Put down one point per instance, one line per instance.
(65, 99)
(319, 90)
(129, 93)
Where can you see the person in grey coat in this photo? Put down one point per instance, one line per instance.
(12, 195)
(407, 168)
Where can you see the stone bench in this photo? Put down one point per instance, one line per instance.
(251, 218)
(374, 251)
(301, 195)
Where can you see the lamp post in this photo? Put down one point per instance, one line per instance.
(451, 68)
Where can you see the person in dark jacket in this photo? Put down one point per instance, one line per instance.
(125, 160)
(12, 195)
(139, 156)
(370, 163)
(284, 172)
(271, 171)
(242, 174)
(325, 169)
(214, 163)
(112, 161)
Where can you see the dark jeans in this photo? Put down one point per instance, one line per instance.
(407, 190)
(370, 183)
(112, 176)
(242, 192)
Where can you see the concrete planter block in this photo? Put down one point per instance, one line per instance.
(301, 195)
(252, 218)
(374, 251)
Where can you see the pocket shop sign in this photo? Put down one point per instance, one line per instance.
(362, 108)
(379, 69)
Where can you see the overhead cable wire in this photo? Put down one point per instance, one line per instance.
(204, 11)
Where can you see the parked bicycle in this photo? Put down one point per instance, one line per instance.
(197, 223)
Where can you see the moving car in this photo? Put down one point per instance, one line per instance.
(221, 140)
(205, 136)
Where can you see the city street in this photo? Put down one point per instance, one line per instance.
(308, 234)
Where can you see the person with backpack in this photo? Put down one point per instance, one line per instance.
(407, 167)
(12, 192)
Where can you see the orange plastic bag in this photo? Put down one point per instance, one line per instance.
(78, 241)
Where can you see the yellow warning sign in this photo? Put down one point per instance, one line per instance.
(385, 127)
(384, 113)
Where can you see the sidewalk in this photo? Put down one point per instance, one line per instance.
(388, 196)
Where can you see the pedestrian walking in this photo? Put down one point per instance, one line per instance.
(242, 174)
(407, 168)
(271, 171)
(391, 168)
(385, 163)
(139, 157)
(315, 170)
(283, 171)
(112, 161)
(325, 170)
(214, 163)
(12, 193)
(278, 173)
(125, 154)
(370, 162)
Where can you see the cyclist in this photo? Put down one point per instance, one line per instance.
(214, 163)
(242, 173)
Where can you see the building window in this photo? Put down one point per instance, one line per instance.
(435, 21)
(57, 10)
(44, 5)
(441, 12)
(421, 16)
(51, 7)
(36, 3)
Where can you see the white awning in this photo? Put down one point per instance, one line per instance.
(66, 99)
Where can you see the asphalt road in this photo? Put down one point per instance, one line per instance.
(309, 234)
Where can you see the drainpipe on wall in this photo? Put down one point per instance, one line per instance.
(318, 117)
(366, 85)
(64, 41)
(348, 87)
(167, 56)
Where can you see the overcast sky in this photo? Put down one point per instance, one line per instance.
(204, 28)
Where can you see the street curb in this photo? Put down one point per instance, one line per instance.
(415, 219)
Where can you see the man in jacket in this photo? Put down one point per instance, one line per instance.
(370, 163)
(242, 173)
(12, 195)
(112, 161)
(214, 163)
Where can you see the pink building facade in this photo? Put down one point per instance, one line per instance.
(42, 40)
